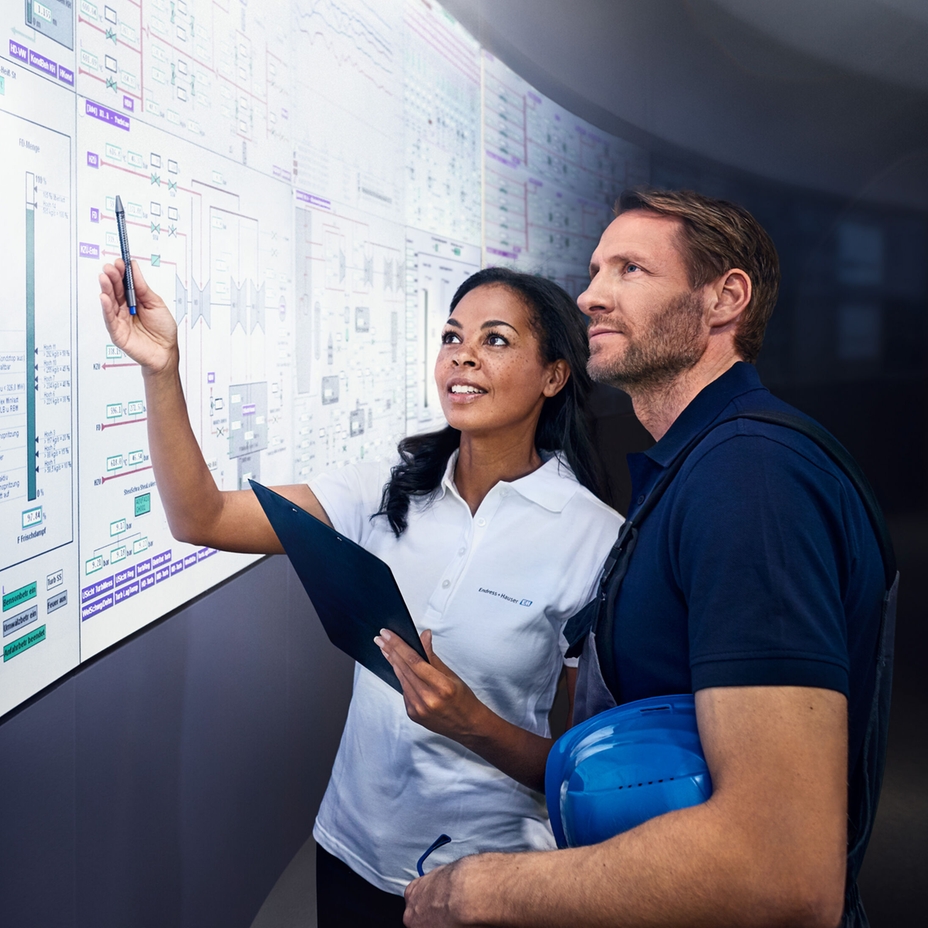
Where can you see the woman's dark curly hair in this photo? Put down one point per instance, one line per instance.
(563, 425)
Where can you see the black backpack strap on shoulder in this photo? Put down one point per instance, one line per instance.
(867, 777)
(595, 615)
(838, 453)
(577, 627)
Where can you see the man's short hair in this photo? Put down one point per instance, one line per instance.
(718, 236)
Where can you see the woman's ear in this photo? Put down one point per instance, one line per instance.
(558, 375)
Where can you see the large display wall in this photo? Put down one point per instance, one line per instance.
(307, 184)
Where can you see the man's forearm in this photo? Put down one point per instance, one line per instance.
(683, 869)
(768, 848)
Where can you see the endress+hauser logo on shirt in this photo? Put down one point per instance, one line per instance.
(509, 599)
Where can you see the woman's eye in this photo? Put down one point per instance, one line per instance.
(449, 338)
(494, 338)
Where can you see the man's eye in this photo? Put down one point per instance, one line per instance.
(632, 267)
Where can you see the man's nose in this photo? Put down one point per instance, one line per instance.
(590, 301)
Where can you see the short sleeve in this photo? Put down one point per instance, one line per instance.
(351, 495)
(763, 577)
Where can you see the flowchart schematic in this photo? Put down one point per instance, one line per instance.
(213, 238)
(306, 184)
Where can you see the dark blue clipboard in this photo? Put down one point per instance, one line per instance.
(353, 591)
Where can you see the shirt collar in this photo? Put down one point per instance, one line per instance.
(447, 480)
(707, 406)
(546, 486)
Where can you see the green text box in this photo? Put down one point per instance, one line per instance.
(23, 644)
(143, 504)
(18, 597)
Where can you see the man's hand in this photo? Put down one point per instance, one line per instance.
(767, 849)
(446, 897)
(428, 900)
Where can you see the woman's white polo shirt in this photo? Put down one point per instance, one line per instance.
(496, 589)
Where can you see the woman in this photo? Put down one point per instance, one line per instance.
(494, 543)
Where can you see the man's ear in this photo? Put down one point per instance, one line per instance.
(558, 375)
(729, 297)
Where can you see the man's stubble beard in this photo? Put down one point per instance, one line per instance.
(653, 359)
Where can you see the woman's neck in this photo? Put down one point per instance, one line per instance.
(482, 464)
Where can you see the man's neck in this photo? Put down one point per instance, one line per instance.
(657, 407)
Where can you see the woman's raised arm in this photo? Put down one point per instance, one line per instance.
(197, 510)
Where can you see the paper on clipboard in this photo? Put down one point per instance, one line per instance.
(353, 591)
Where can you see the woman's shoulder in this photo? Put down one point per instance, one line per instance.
(579, 496)
(377, 471)
(359, 483)
(593, 509)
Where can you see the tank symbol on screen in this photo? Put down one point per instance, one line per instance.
(329, 390)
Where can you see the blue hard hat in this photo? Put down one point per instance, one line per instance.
(624, 766)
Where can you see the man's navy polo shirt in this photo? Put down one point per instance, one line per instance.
(758, 566)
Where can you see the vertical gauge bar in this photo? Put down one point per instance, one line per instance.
(31, 375)
(425, 347)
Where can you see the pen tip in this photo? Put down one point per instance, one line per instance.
(118, 203)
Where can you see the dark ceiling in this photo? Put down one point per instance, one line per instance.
(830, 94)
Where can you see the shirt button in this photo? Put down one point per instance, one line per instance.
(640, 499)
(481, 521)
(445, 584)
(504, 491)
(462, 550)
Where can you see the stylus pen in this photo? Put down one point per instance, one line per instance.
(128, 282)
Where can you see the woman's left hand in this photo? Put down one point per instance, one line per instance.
(436, 697)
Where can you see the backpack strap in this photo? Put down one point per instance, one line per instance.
(868, 772)
(595, 614)
(839, 454)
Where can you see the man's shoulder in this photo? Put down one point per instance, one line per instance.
(749, 475)
(752, 479)
(789, 441)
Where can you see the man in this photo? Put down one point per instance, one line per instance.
(756, 584)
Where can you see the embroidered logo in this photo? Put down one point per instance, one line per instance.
(509, 599)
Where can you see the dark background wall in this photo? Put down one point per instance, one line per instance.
(170, 781)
